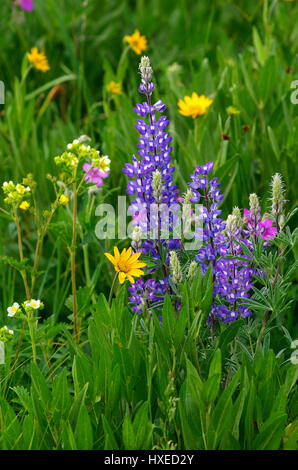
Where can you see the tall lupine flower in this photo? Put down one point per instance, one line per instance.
(233, 277)
(212, 233)
(208, 192)
(151, 180)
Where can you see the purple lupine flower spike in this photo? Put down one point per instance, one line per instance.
(151, 183)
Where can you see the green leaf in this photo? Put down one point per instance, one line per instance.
(273, 143)
(221, 420)
(110, 441)
(258, 46)
(84, 433)
(271, 433)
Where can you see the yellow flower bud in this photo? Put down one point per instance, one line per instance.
(24, 205)
(63, 199)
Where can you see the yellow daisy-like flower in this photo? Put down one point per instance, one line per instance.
(38, 60)
(24, 205)
(195, 105)
(63, 199)
(126, 264)
(137, 42)
(232, 110)
(114, 88)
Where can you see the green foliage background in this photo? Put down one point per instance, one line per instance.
(131, 385)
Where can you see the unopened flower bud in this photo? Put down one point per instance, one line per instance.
(177, 275)
(237, 214)
(157, 185)
(277, 195)
(146, 70)
(231, 225)
(254, 205)
(192, 270)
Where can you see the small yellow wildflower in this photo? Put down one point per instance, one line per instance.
(38, 60)
(232, 110)
(126, 264)
(63, 199)
(114, 88)
(24, 205)
(195, 105)
(137, 42)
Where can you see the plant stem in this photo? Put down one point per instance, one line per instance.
(87, 271)
(112, 290)
(31, 330)
(73, 261)
(23, 274)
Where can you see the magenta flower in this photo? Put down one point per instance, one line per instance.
(94, 175)
(264, 228)
(267, 229)
(27, 5)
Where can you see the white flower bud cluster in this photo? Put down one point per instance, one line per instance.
(157, 185)
(137, 235)
(145, 70)
(254, 205)
(237, 214)
(232, 225)
(277, 198)
(192, 270)
(175, 266)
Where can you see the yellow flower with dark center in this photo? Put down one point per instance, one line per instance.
(38, 60)
(127, 265)
(115, 88)
(137, 42)
(63, 199)
(24, 205)
(194, 105)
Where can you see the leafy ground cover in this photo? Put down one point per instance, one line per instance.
(148, 345)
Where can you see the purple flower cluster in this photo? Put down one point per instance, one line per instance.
(231, 278)
(151, 184)
(208, 192)
(143, 294)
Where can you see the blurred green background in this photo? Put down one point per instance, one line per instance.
(239, 53)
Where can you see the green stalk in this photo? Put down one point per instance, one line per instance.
(112, 290)
(73, 261)
(31, 331)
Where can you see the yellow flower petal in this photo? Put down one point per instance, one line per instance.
(194, 106)
(110, 258)
(122, 277)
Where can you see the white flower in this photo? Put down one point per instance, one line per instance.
(137, 234)
(76, 141)
(4, 184)
(12, 310)
(9, 331)
(294, 344)
(32, 303)
(104, 163)
(294, 357)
